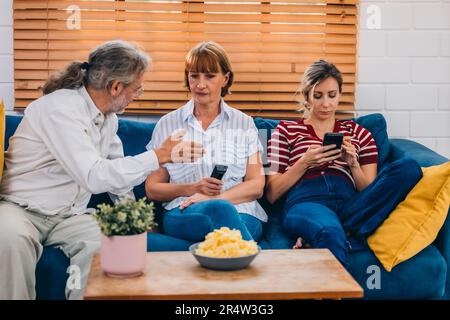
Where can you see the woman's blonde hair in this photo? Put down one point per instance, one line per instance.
(313, 75)
(206, 57)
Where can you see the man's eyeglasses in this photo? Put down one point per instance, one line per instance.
(137, 91)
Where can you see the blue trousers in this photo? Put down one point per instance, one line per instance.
(327, 209)
(196, 221)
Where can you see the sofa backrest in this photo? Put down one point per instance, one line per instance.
(135, 136)
(11, 125)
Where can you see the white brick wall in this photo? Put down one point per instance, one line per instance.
(445, 46)
(404, 69)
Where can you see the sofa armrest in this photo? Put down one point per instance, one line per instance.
(442, 243)
(400, 148)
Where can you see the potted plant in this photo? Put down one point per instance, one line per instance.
(124, 229)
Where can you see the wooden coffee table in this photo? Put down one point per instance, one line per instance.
(274, 274)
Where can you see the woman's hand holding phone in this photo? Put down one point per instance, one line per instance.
(318, 155)
(209, 186)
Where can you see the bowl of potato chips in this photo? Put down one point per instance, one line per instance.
(224, 249)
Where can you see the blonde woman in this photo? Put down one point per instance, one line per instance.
(332, 193)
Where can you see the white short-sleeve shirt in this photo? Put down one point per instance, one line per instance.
(229, 140)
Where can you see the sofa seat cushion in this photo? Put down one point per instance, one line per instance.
(51, 274)
(162, 242)
(274, 235)
(421, 277)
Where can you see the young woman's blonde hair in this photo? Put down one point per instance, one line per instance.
(313, 75)
(208, 57)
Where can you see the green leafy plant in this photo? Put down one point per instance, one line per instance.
(127, 217)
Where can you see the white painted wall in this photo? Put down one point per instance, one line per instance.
(403, 68)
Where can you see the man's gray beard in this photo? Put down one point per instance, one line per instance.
(120, 101)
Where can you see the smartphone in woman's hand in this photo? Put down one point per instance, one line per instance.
(219, 171)
(335, 138)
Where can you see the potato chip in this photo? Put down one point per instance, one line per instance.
(226, 243)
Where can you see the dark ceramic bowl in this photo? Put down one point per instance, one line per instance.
(223, 263)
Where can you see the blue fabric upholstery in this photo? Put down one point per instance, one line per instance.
(423, 276)
(401, 148)
(376, 124)
(51, 274)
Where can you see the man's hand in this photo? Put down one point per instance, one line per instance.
(173, 149)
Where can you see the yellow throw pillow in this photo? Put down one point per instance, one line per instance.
(2, 137)
(415, 222)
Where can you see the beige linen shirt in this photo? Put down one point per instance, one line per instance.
(63, 151)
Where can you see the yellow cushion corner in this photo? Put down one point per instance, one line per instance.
(415, 222)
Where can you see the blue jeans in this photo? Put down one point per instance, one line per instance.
(196, 221)
(324, 210)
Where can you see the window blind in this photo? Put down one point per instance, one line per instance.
(269, 44)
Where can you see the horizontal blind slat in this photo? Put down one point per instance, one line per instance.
(269, 44)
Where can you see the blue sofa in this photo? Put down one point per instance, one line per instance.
(422, 277)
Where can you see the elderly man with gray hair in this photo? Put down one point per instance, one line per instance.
(65, 149)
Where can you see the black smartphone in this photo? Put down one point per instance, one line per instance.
(333, 138)
(219, 171)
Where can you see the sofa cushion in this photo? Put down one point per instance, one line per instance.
(421, 277)
(163, 242)
(415, 222)
(265, 128)
(135, 135)
(376, 124)
(11, 125)
(425, 157)
(51, 274)
(274, 235)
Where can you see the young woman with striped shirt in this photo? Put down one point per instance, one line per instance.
(332, 195)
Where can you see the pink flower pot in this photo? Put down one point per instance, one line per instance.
(123, 256)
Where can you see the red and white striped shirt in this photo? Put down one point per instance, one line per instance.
(291, 139)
